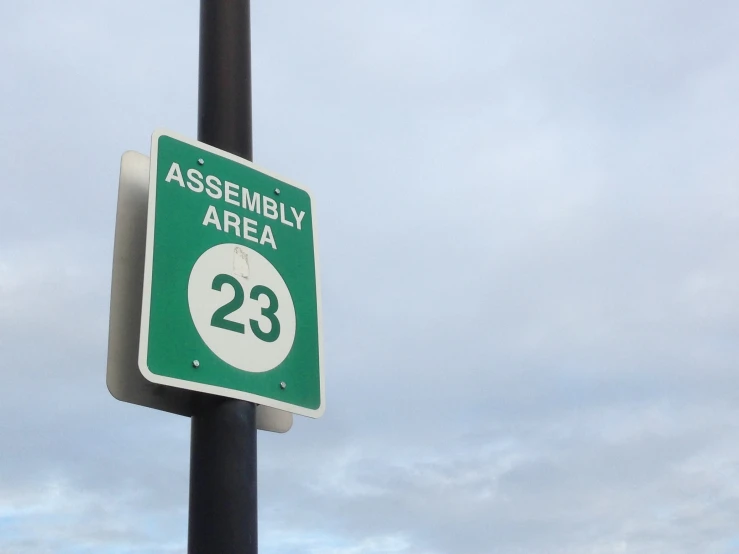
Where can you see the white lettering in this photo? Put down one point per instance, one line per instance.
(269, 206)
(267, 236)
(250, 202)
(196, 176)
(282, 216)
(298, 216)
(250, 229)
(232, 191)
(231, 220)
(211, 216)
(214, 187)
(176, 174)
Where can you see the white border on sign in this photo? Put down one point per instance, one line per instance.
(146, 299)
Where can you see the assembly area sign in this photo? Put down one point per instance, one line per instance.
(231, 297)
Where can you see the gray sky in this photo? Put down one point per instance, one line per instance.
(528, 213)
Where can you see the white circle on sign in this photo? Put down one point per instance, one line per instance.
(241, 308)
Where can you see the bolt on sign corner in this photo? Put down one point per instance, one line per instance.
(231, 302)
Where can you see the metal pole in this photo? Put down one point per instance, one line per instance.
(224, 99)
(223, 451)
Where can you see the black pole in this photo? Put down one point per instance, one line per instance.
(223, 450)
(224, 99)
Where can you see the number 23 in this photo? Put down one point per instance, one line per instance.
(219, 316)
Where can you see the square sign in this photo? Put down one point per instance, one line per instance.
(231, 302)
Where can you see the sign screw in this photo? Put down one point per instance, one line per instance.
(195, 363)
(277, 192)
(201, 161)
(283, 385)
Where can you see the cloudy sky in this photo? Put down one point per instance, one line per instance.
(528, 214)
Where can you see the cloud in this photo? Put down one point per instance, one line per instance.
(525, 218)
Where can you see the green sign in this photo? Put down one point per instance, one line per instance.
(231, 302)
